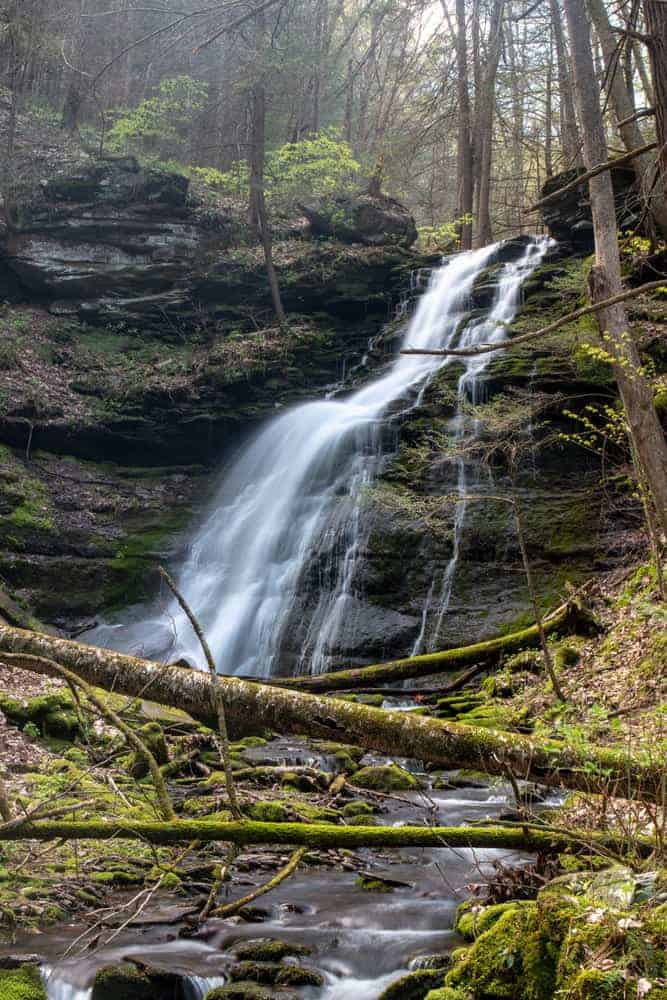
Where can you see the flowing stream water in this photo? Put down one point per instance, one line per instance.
(362, 941)
(293, 498)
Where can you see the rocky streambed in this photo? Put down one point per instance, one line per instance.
(346, 924)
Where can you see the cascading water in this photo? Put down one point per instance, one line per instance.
(294, 497)
(471, 387)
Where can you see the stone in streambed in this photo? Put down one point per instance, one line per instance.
(414, 986)
(134, 982)
(385, 778)
(268, 950)
(274, 974)
(249, 991)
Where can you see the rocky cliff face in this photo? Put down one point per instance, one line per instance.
(138, 352)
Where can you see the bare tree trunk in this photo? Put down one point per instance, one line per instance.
(655, 13)
(464, 162)
(569, 133)
(349, 103)
(624, 109)
(485, 125)
(643, 423)
(517, 129)
(548, 114)
(257, 208)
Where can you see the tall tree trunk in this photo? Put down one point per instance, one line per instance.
(655, 14)
(569, 133)
(624, 109)
(643, 423)
(464, 161)
(257, 209)
(517, 129)
(484, 125)
(349, 103)
(548, 116)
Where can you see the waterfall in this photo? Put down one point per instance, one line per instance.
(197, 987)
(59, 989)
(470, 386)
(292, 502)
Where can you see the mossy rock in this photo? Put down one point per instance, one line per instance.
(509, 961)
(249, 991)
(315, 814)
(268, 812)
(494, 716)
(357, 807)
(333, 748)
(132, 982)
(152, 735)
(472, 920)
(22, 984)
(446, 993)
(274, 974)
(593, 984)
(373, 885)
(269, 950)
(384, 778)
(54, 714)
(414, 986)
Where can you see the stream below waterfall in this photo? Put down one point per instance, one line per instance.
(361, 940)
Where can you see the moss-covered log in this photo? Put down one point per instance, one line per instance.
(257, 707)
(480, 654)
(322, 836)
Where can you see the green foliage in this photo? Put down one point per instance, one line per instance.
(158, 122)
(442, 238)
(321, 165)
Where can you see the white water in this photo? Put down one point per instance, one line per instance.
(293, 500)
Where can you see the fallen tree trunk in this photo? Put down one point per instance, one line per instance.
(481, 654)
(256, 707)
(323, 836)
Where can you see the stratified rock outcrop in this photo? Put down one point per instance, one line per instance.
(568, 217)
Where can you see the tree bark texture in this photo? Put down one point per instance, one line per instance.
(256, 707)
(642, 419)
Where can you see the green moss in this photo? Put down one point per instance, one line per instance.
(268, 812)
(502, 964)
(264, 973)
(53, 714)
(22, 984)
(592, 984)
(357, 807)
(130, 982)
(472, 920)
(386, 778)
(152, 735)
(447, 993)
(240, 991)
(372, 885)
(414, 986)
(269, 950)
